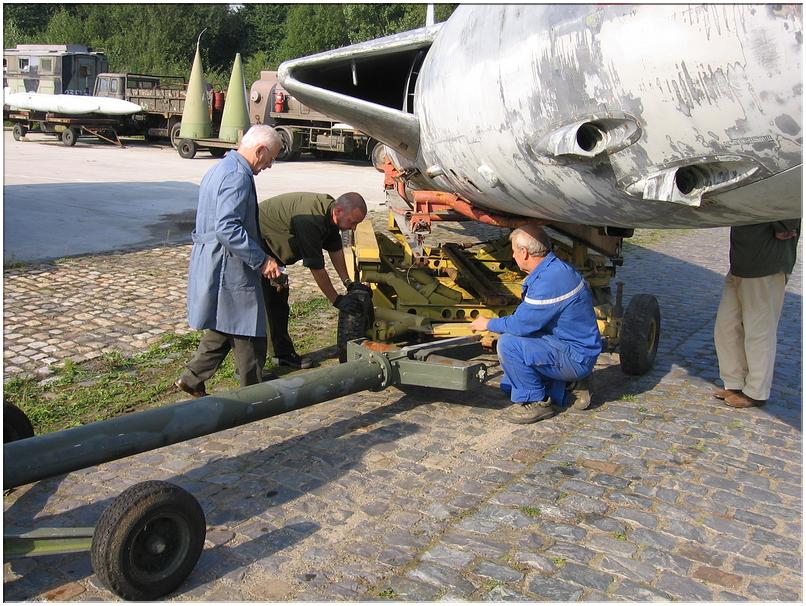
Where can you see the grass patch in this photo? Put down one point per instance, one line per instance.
(114, 384)
(532, 512)
(628, 397)
(643, 238)
(558, 562)
(619, 535)
(642, 409)
(388, 594)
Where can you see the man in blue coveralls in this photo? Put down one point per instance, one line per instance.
(551, 342)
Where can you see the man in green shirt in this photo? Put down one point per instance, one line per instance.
(299, 226)
(761, 258)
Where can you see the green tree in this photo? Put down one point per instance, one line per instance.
(312, 28)
(368, 21)
(264, 26)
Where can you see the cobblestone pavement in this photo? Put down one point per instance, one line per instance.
(658, 492)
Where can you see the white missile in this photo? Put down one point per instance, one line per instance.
(615, 115)
(70, 104)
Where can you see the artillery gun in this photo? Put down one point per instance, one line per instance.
(150, 537)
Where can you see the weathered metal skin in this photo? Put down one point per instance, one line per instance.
(629, 116)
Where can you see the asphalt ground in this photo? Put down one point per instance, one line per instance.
(94, 197)
(658, 492)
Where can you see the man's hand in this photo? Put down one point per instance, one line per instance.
(479, 324)
(786, 235)
(358, 286)
(348, 304)
(270, 269)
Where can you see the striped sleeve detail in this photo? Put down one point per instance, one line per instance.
(567, 295)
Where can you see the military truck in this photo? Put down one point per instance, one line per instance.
(56, 69)
(303, 129)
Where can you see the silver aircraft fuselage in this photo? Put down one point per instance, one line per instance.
(628, 116)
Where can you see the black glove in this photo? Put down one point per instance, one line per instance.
(358, 286)
(348, 304)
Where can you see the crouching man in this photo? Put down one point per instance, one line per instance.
(551, 342)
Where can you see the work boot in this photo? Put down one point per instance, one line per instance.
(196, 393)
(578, 394)
(722, 394)
(294, 360)
(740, 400)
(529, 412)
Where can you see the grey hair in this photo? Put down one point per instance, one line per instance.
(533, 239)
(261, 134)
(351, 201)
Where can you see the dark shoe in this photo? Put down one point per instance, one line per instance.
(740, 400)
(722, 394)
(529, 412)
(200, 393)
(578, 394)
(293, 360)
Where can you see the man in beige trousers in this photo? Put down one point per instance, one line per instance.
(761, 258)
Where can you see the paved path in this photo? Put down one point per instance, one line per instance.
(656, 493)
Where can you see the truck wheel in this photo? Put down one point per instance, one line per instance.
(173, 133)
(354, 326)
(70, 136)
(377, 155)
(640, 334)
(218, 152)
(18, 131)
(287, 152)
(16, 425)
(148, 540)
(187, 148)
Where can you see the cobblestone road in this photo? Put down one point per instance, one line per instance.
(656, 493)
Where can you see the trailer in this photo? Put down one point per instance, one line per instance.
(66, 128)
(150, 537)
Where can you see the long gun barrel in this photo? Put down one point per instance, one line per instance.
(44, 456)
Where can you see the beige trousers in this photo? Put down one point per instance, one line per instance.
(745, 332)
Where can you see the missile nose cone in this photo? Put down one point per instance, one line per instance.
(196, 113)
(235, 119)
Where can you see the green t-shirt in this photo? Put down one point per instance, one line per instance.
(755, 252)
(298, 226)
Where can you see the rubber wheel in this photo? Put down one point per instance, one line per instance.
(148, 540)
(18, 131)
(286, 152)
(16, 425)
(640, 334)
(187, 149)
(354, 326)
(377, 156)
(69, 136)
(173, 134)
(218, 152)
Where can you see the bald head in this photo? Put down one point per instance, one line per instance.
(532, 238)
(349, 210)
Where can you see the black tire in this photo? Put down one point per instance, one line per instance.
(640, 334)
(287, 153)
(218, 152)
(148, 540)
(18, 131)
(354, 326)
(173, 134)
(187, 149)
(377, 155)
(69, 136)
(16, 425)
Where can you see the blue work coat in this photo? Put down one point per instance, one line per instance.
(556, 301)
(224, 291)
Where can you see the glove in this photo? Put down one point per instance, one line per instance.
(348, 304)
(358, 286)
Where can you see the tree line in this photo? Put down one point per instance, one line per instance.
(161, 38)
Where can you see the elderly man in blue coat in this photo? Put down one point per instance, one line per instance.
(226, 262)
(550, 344)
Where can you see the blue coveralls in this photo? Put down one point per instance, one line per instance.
(552, 338)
